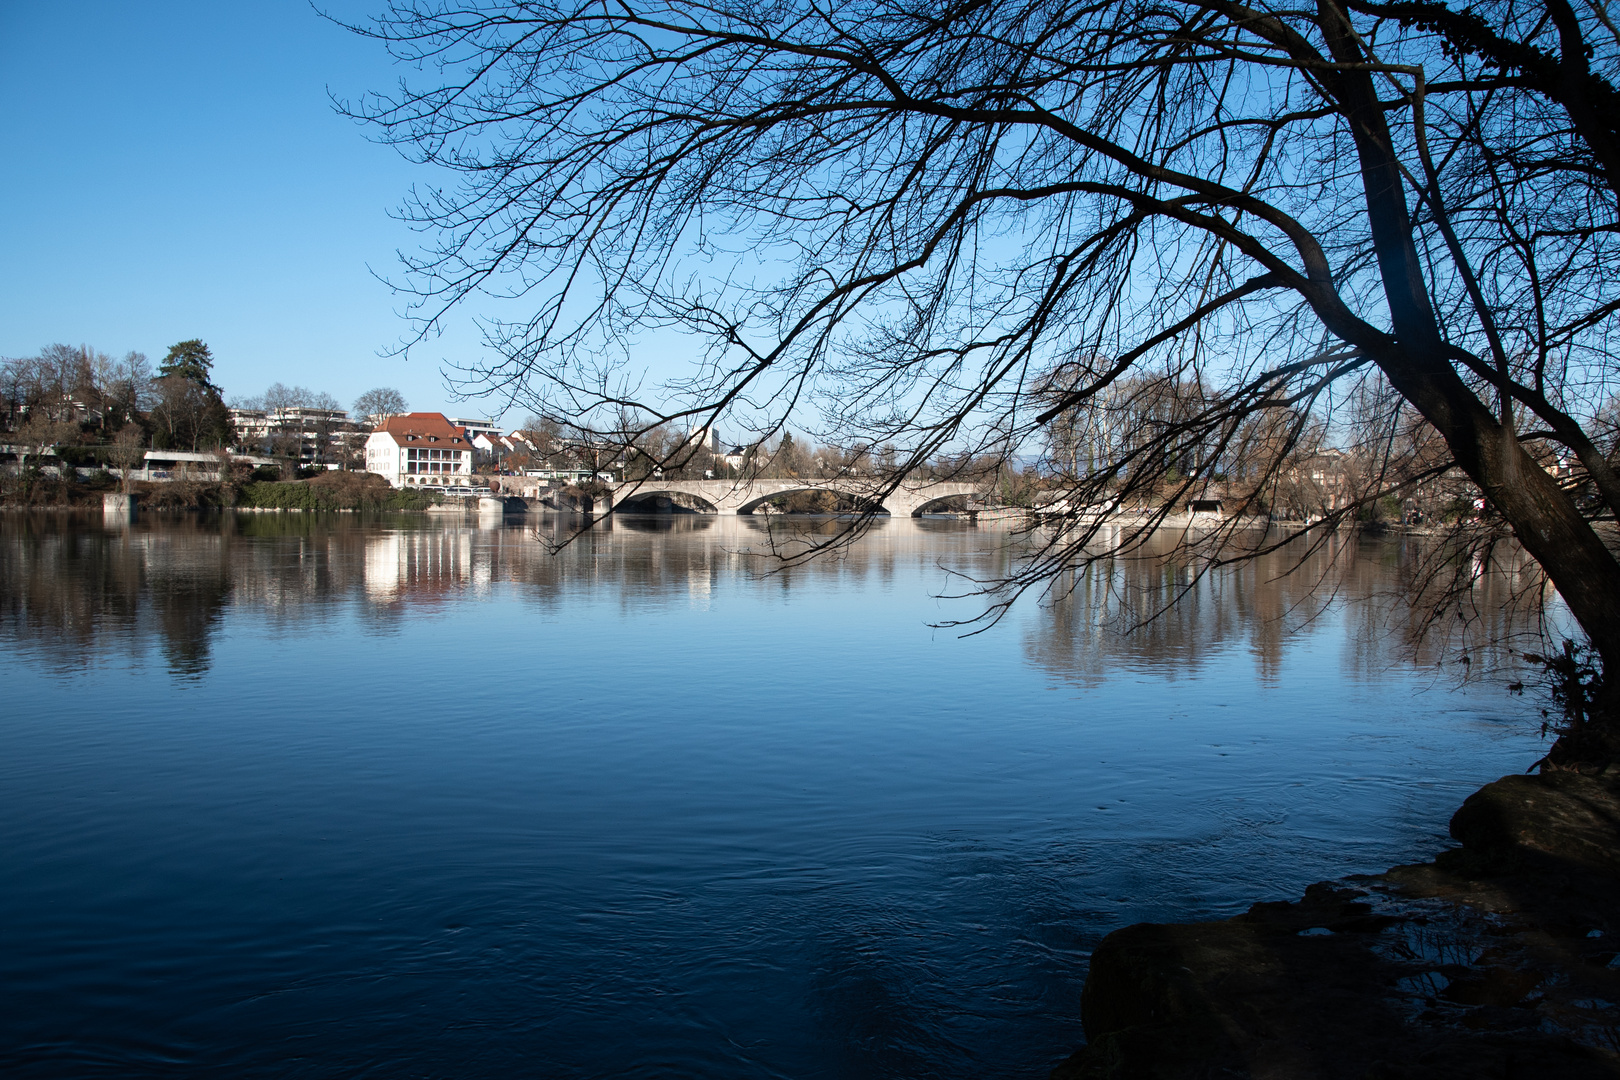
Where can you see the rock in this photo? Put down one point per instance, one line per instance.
(1492, 961)
(1559, 822)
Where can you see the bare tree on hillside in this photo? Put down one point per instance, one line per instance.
(125, 387)
(66, 382)
(39, 434)
(1226, 211)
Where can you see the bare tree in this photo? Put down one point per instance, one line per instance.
(65, 382)
(49, 385)
(376, 405)
(14, 378)
(1208, 215)
(128, 450)
(279, 396)
(39, 434)
(125, 387)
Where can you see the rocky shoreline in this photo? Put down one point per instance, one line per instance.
(1501, 958)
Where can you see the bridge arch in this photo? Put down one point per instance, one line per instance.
(755, 503)
(934, 505)
(663, 500)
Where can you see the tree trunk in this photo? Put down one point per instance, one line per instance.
(1417, 363)
(1544, 518)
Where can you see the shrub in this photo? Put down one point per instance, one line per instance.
(183, 495)
(334, 491)
(31, 488)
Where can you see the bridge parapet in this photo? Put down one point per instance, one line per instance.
(742, 496)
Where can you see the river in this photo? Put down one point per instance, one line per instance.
(296, 795)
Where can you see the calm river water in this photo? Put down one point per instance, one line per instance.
(283, 795)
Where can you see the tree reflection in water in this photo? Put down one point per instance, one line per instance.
(1155, 611)
(761, 818)
(72, 590)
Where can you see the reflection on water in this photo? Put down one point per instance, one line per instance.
(70, 589)
(334, 796)
(1153, 610)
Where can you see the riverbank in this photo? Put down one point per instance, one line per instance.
(330, 491)
(1501, 958)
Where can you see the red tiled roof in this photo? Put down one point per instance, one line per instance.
(428, 427)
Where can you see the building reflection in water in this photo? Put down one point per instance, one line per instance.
(72, 590)
(422, 564)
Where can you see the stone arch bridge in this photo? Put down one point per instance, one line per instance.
(745, 496)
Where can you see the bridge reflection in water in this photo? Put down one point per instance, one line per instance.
(72, 590)
(439, 796)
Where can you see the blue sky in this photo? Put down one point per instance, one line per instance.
(175, 170)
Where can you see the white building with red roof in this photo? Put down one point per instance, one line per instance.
(420, 449)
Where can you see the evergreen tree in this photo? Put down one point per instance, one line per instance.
(189, 412)
(190, 360)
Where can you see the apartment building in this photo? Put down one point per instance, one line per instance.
(309, 434)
